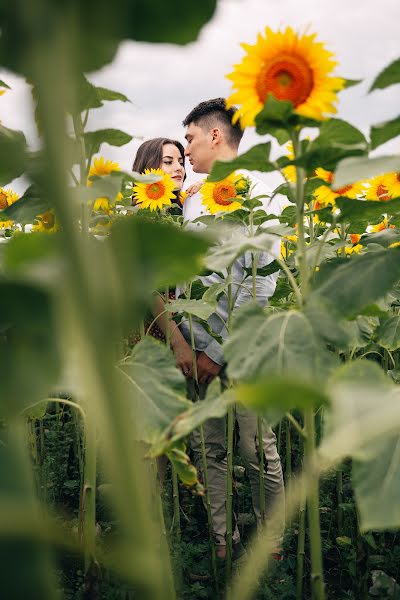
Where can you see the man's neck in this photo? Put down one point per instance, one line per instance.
(225, 154)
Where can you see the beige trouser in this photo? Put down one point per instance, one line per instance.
(247, 443)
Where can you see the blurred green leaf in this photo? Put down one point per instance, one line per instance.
(384, 238)
(28, 207)
(357, 282)
(199, 308)
(354, 169)
(389, 76)
(348, 83)
(186, 471)
(4, 85)
(13, 154)
(255, 159)
(105, 94)
(224, 254)
(282, 343)
(273, 396)
(27, 323)
(388, 334)
(337, 139)
(155, 388)
(358, 214)
(25, 249)
(383, 132)
(113, 137)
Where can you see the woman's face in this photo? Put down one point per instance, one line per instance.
(172, 164)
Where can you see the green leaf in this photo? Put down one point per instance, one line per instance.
(383, 132)
(28, 207)
(105, 94)
(354, 169)
(4, 85)
(348, 83)
(255, 159)
(113, 137)
(186, 471)
(389, 76)
(27, 322)
(277, 344)
(13, 154)
(388, 334)
(337, 139)
(155, 388)
(273, 396)
(358, 214)
(198, 308)
(223, 255)
(274, 116)
(289, 215)
(384, 238)
(376, 482)
(358, 281)
(25, 249)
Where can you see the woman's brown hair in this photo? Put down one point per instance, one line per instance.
(150, 153)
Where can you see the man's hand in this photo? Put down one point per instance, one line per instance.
(207, 369)
(183, 356)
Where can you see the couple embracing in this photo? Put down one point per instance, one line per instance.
(210, 136)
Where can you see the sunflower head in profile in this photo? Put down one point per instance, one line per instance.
(289, 66)
(46, 222)
(7, 197)
(154, 195)
(222, 195)
(100, 168)
(326, 196)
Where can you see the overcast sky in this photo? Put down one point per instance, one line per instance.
(164, 82)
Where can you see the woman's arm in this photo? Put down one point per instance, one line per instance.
(182, 350)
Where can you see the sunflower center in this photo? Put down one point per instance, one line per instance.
(155, 190)
(48, 220)
(223, 194)
(398, 177)
(286, 77)
(3, 201)
(382, 192)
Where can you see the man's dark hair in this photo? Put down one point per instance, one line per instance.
(213, 113)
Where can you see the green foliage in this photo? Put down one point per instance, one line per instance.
(282, 343)
(198, 308)
(358, 214)
(384, 132)
(113, 137)
(388, 334)
(389, 76)
(224, 254)
(155, 389)
(28, 207)
(354, 169)
(355, 283)
(255, 159)
(27, 322)
(13, 154)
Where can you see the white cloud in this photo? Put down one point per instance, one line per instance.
(165, 82)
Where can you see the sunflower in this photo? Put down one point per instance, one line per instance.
(290, 67)
(100, 168)
(46, 222)
(377, 189)
(221, 195)
(7, 197)
(392, 183)
(326, 196)
(290, 171)
(380, 226)
(353, 249)
(154, 195)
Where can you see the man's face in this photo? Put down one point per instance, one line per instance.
(199, 149)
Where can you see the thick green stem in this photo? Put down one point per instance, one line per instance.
(204, 461)
(229, 456)
(300, 548)
(317, 578)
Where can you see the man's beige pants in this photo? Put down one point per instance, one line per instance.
(247, 444)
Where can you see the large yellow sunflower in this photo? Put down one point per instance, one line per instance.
(326, 196)
(221, 195)
(377, 189)
(290, 67)
(7, 197)
(100, 168)
(154, 195)
(290, 171)
(392, 183)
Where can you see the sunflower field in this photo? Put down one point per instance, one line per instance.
(93, 408)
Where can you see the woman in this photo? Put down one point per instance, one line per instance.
(168, 155)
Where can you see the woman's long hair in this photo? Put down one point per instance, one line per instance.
(149, 154)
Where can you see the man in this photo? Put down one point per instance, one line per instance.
(211, 136)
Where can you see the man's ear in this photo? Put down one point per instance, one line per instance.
(216, 135)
